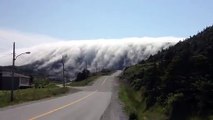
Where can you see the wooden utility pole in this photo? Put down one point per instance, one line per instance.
(13, 69)
(64, 82)
(86, 65)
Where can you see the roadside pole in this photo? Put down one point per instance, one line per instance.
(64, 83)
(13, 69)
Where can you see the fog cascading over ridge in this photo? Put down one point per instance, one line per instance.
(93, 54)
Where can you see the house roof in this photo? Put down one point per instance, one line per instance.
(9, 74)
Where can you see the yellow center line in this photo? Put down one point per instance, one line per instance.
(104, 81)
(62, 107)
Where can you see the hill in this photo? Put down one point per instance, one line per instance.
(179, 80)
(95, 55)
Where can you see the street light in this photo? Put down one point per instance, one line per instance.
(21, 54)
(13, 69)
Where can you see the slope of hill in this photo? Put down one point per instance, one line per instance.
(95, 55)
(178, 80)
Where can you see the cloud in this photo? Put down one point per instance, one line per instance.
(99, 53)
(7, 37)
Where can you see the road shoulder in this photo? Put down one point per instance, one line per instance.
(115, 109)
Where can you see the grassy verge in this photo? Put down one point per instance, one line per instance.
(134, 105)
(30, 94)
(85, 82)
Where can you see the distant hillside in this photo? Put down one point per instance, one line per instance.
(94, 55)
(178, 79)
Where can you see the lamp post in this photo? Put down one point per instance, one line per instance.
(13, 70)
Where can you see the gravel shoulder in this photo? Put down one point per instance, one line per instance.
(115, 109)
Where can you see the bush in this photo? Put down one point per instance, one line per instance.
(133, 116)
(82, 75)
(41, 82)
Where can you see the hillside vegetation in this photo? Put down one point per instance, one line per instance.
(176, 82)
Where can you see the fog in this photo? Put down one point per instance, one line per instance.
(93, 54)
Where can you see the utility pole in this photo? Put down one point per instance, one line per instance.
(13, 69)
(96, 67)
(86, 65)
(63, 71)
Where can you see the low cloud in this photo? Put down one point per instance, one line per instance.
(95, 54)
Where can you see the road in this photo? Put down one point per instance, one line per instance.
(90, 103)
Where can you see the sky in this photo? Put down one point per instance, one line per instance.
(105, 19)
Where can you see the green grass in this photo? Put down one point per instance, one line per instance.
(30, 94)
(129, 97)
(134, 104)
(85, 82)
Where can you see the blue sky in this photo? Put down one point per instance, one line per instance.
(93, 19)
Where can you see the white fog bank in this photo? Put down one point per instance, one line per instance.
(95, 54)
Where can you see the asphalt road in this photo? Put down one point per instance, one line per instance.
(96, 102)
